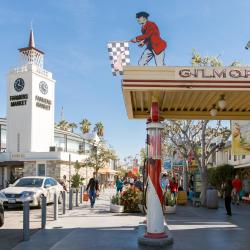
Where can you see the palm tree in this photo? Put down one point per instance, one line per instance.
(72, 126)
(64, 125)
(99, 129)
(85, 126)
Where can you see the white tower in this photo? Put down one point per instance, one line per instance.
(30, 103)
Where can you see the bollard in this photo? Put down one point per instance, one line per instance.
(55, 206)
(44, 212)
(64, 202)
(77, 196)
(81, 194)
(70, 199)
(26, 220)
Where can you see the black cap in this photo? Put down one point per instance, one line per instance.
(142, 14)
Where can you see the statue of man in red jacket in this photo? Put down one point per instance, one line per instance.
(151, 38)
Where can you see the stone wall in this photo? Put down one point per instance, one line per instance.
(29, 169)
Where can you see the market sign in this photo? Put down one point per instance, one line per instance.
(213, 73)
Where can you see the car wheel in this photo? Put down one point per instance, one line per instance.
(1, 219)
(60, 198)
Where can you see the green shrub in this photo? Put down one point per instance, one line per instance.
(169, 198)
(219, 175)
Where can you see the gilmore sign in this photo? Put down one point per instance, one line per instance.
(230, 73)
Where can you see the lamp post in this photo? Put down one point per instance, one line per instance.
(96, 142)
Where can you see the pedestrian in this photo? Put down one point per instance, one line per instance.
(92, 188)
(155, 45)
(131, 181)
(173, 185)
(119, 185)
(237, 185)
(228, 187)
(63, 183)
(138, 184)
(164, 182)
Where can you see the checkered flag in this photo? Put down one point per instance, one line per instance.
(119, 56)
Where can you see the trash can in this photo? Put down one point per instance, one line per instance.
(182, 198)
(212, 198)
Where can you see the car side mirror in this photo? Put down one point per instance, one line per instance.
(47, 185)
(11, 185)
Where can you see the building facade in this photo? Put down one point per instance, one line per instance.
(241, 164)
(29, 143)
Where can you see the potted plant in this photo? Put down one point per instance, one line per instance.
(115, 205)
(169, 203)
(130, 198)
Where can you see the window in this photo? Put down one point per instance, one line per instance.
(235, 157)
(52, 182)
(243, 157)
(47, 182)
(41, 169)
(229, 156)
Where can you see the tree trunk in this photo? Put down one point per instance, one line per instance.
(203, 168)
(204, 184)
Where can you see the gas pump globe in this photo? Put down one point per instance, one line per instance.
(154, 131)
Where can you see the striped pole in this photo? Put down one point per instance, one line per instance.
(155, 218)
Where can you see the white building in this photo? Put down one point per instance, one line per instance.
(29, 143)
(241, 163)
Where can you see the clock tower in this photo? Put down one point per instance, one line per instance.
(30, 103)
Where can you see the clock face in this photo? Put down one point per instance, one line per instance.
(43, 86)
(19, 84)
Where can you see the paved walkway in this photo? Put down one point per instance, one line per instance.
(192, 228)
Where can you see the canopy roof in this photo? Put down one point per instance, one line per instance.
(187, 92)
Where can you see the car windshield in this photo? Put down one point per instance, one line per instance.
(29, 182)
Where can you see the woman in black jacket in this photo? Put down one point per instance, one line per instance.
(228, 196)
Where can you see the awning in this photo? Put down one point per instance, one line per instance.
(11, 163)
(107, 171)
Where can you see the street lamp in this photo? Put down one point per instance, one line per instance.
(213, 111)
(96, 140)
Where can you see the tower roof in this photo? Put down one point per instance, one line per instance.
(31, 44)
(31, 40)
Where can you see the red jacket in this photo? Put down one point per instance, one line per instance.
(151, 37)
(173, 186)
(237, 184)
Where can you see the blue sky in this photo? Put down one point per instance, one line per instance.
(74, 33)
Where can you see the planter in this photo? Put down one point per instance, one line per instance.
(116, 208)
(169, 209)
(212, 198)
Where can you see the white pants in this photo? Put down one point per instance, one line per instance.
(148, 54)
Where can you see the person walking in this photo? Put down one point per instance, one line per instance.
(92, 188)
(237, 185)
(119, 185)
(155, 45)
(173, 185)
(228, 196)
(164, 182)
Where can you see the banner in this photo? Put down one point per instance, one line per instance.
(118, 56)
(240, 137)
(167, 164)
